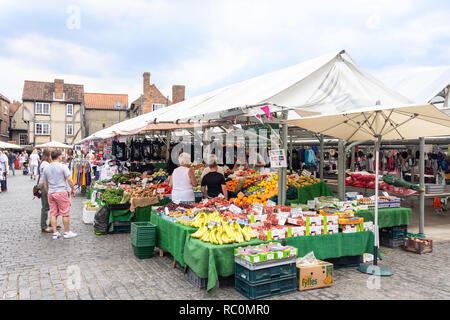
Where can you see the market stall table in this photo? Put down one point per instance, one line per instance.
(337, 245)
(171, 236)
(310, 192)
(389, 217)
(210, 261)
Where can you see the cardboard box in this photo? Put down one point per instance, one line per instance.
(332, 229)
(330, 220)
(314, 276)
(368, 226)
(296, 231)
(315, 230)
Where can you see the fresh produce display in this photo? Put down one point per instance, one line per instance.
(113, 196)
(302, 181)
(214, 229)
(265, 252)
(248, 172)
(390, 183)
(232, 185)
(126, 178)
(159, 174)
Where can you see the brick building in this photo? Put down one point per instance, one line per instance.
(104, 110)
(4, 118)
(152, 99)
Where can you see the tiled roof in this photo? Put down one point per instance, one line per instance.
(4, 98)
(14, 106)
(43, 91)
(105, 101)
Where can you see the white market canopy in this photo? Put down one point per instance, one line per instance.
(386, 123)
(6, 145)
(329, 84)
(54, 144)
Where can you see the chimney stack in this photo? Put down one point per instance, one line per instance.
(177, 93)
(59, 89)
(146, 83)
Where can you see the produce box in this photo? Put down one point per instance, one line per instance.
(315, 276)
(331, 229)
(296, 232)
(351, 228)
(368, 226)
(418, 245)
(257, 273)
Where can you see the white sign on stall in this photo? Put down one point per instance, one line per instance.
(278, 158)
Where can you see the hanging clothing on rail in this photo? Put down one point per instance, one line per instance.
(81, 172)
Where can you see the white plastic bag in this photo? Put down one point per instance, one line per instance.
(307, 260)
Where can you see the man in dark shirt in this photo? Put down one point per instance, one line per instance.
(213, 183)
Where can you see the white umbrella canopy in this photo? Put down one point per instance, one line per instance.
(376, 124)
(6, 145)
(386, 123)
(54, 144)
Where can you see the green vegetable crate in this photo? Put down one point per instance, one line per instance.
(143, 252)
(143, 234)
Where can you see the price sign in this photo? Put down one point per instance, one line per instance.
(160, 190)
(166, 210)
(278, 158)
(235, 209)
(258, 207)
(306, 173)
(144, 182)
(296, 212)
(270, 203)
(282, 216)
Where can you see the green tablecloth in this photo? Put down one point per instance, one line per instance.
(313, 191)
(210, 261)
(388, 217)
(120, 215)
(171, 236)
(334, 245)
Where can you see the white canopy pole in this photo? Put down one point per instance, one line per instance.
(377, 240)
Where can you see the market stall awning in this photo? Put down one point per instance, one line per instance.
(54, 144)
(6, 145)
(388, 123)
(329, 84)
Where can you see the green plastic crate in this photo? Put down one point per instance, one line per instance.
(266, 289)
(143, 234)
(143, 214)
(143, 252)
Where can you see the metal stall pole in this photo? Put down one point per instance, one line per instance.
(422, 185)
(322, 157)
(168, 137)
(283, 171)
(341, 170)
(352, 163)
(290, 152)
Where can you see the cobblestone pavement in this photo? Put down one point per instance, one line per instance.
(33, 266)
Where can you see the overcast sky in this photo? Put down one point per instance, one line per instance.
(107, 45)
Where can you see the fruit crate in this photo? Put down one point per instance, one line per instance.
(143, 252)
(395, 233)
(266, 289)
(421, 246)
(392, 243)
(345, 262)
(193, 278)
(276, 270)
(143, 234)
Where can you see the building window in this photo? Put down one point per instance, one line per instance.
(42, 108)
(69, 109)
(69, 129)
(156, 106)
(5, 110)
(23, 139)
(42, 129)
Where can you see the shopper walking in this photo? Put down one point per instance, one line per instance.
(45, 162)
(21, 160)
(3, 171)
(34, 164)
(56, 180)
(183, 180)
(12, 161)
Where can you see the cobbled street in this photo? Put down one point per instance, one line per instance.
(33, 266)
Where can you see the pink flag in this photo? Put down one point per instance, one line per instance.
(266, 110)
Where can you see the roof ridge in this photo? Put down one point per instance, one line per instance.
(50, 82)
(117, 94)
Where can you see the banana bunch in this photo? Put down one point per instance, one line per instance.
(184, 221)
(200, 219)
(224, 233)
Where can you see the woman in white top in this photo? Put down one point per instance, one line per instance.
(183, 180)
(34, 164)
(21, 161)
